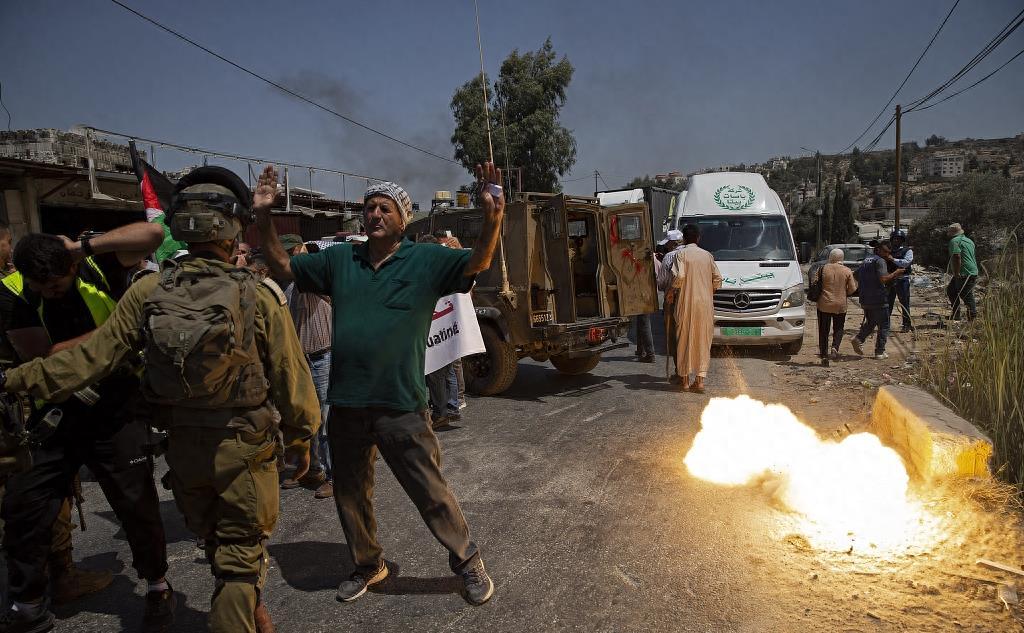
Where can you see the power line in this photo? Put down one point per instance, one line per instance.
(904, 82)
(239, 157)
(5, 107)
(999, 38)
(948, 97)
(279, 86)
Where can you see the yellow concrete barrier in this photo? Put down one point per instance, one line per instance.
(933, 441)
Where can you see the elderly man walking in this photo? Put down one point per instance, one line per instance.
(384, 292)
(695, 277)
(837, 284)
(965, 272)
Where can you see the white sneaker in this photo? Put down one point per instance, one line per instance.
(881, 356)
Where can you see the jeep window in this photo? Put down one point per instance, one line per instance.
(631, 227)
(745, 239)
(577, 228)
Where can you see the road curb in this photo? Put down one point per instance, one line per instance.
(933, 441)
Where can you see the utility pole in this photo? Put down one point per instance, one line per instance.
(818, 156)
(899, 164)
(595, 181)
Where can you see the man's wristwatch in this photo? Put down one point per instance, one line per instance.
(86, 246)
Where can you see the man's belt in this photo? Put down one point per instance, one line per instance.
(315, 356)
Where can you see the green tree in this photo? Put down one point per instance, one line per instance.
(647, 181)
(524, 114)
(842, 229)
(857, 165)
(989, 206)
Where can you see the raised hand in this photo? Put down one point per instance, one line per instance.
(488, 182)
(266, 189)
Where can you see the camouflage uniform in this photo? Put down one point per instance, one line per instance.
(222, 462)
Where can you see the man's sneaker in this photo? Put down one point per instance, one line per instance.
(477, 585)
(646, 359)
(857, 345)
(357, 583)
(834, 354)
(159, 613)
(824, 361)
(881, 356)
(325, 491)
(19, 622)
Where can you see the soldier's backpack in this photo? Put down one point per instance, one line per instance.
(200, 337)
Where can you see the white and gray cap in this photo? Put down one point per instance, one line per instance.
(393, 191)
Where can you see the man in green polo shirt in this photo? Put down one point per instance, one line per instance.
(965, 272)
(384, 292)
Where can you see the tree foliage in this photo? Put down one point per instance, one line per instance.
(524, 105)
(647, 181)
(990, 208)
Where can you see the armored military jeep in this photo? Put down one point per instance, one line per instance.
(562, 286)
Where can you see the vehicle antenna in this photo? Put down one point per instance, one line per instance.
(506, 290)
(483, 82)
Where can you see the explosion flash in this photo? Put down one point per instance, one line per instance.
(851, 493)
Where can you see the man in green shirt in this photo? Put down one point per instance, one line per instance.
(965, 272)
(384, 292)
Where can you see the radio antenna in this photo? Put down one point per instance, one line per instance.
(483, 82)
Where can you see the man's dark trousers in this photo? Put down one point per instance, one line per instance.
(962, 289)
(409, 447)
(34, 498)
(900, 289)
(875, 317)
(644, 336)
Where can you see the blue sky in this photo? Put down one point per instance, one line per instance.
(658, 86)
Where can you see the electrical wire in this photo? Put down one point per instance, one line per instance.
(5, 107)
(904, 82)
(948, 97)
(239, 157)
(281, 87)
(999, 38)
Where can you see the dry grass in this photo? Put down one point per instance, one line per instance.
(979, 371)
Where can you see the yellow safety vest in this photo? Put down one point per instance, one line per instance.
(100, 304)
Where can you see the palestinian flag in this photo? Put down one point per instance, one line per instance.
(156, 196)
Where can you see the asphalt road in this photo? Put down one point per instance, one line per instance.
(575, 490)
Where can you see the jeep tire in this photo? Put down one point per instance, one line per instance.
(493, 371)
(575, 366)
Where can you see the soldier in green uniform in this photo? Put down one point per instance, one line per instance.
(226, 372)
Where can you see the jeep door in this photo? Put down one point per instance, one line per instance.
(629, 253)
(551, 220)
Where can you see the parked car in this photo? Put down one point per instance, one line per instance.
(853, 255)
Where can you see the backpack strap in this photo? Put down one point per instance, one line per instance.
(276, 290)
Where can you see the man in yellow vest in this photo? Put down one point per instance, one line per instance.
(61, 293)
(67, 581)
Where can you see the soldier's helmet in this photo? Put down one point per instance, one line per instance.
(209, 203)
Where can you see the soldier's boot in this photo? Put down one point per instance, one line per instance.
(263, 622)
(71, 583)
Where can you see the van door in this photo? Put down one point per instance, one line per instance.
(555, 257)
(630, 259)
